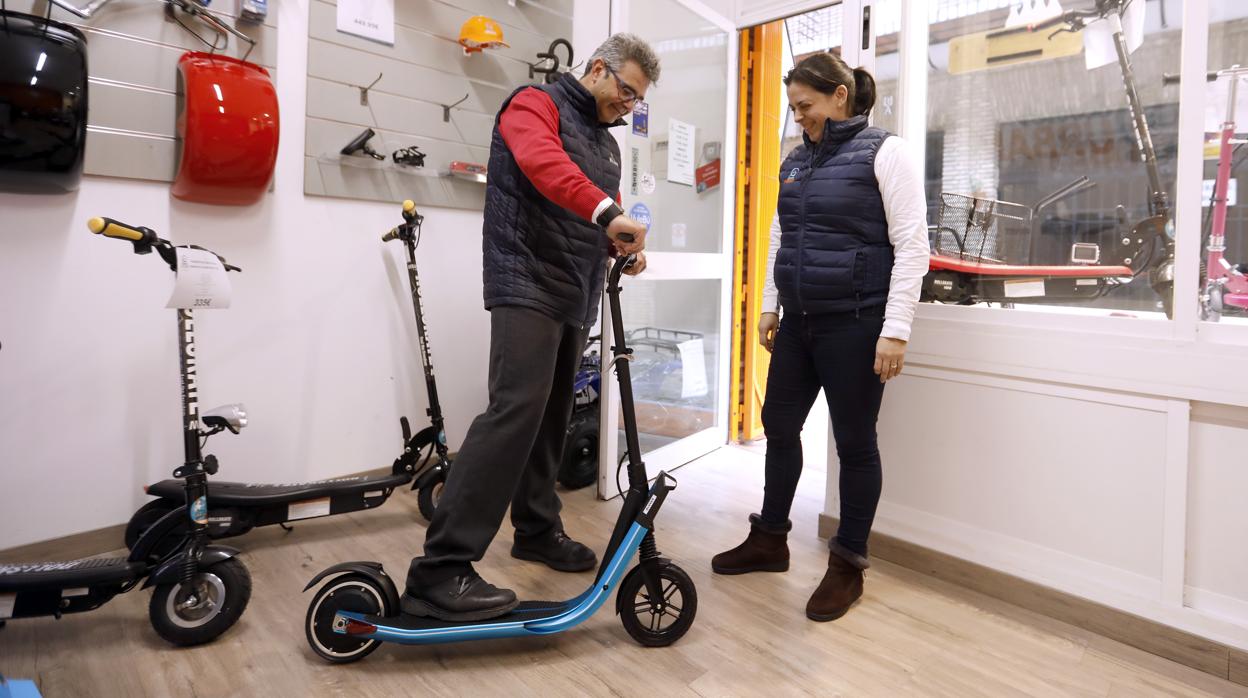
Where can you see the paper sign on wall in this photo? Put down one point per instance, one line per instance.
(680, 136)
(202, 282)
(692, 368)
(371, 19)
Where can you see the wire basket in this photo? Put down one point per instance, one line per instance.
(979, 230)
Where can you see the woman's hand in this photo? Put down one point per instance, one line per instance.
(768, 323)
(890, 356)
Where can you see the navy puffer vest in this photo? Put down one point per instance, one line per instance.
(834, 255)
(537, 254)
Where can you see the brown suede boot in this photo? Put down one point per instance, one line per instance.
(766, 549)
(841, 586)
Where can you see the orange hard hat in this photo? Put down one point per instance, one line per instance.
(479, 33)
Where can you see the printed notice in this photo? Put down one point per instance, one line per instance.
(680, 146)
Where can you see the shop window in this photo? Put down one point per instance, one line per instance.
(1037, 186)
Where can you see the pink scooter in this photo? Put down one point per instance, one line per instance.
(1226, 285)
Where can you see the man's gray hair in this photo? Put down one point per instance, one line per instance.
(623, 47)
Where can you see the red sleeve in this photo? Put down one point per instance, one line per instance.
(530, 128)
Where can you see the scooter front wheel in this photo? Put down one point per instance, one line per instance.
(349, 592)
(198, 612)
(658, 622)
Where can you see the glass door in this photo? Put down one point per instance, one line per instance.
(679, 167)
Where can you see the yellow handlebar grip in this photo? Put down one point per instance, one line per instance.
(113, 229)
(409, 205)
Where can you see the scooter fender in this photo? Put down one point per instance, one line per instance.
(170, 571)
(372, 570)
(413, 447)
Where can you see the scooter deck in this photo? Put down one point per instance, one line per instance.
(68, 573)
(526, 612)
(252, 495)
(967, 266)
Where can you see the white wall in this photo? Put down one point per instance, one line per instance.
(320, 343)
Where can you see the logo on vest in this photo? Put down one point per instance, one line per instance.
(792, 175)
(613, 160)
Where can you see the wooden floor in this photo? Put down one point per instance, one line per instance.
(911, 635)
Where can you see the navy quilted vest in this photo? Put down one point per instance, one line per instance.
(834, 255)
(537, 254)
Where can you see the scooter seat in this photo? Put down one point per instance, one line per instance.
(253, 495)
(69, 573)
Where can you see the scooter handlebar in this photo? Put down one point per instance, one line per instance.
(114, 229)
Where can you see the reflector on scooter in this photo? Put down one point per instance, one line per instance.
(228, 129)
(359, 627)
(43, 104)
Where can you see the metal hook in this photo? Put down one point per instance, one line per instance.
(446, 108)
(364, 90)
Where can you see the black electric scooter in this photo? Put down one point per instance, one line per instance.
(201, 589)
(358, 608)
(234, 508)
(429, 477)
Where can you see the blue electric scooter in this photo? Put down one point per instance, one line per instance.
(358, 608)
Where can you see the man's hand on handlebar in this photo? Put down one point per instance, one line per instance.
(620, 229)
(638, 265)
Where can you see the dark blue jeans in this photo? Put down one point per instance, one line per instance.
(836, 352)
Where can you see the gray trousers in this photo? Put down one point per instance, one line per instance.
(512, 452)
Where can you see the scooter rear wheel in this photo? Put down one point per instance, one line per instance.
(349, 592)
(658, 623)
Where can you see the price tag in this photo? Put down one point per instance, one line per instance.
(202, 282)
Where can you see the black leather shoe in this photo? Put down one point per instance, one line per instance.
(556, 550)
(465, 597)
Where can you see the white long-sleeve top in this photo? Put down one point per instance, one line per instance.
(905, 207)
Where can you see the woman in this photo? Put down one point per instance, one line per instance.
(848, 253)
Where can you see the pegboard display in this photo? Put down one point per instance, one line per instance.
(132, 60)
(413, 83)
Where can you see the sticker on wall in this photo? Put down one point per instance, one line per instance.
(641, 214)
(647, 183)
(371, 19)
(635, 171)
(679, 235)
(680, 152)
(708, 176)
(641, 119)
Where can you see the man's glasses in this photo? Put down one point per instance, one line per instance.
(627, 93)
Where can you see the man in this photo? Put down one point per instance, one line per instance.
(552, 218)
